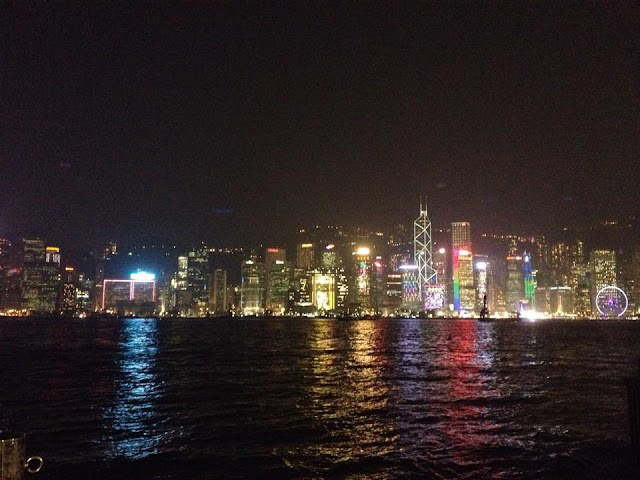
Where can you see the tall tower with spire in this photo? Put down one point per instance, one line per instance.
(422, 250)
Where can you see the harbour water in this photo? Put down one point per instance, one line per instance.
(291, 398)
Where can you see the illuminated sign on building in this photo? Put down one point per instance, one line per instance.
(143, 276)
(323, 291)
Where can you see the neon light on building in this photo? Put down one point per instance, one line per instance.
(529, 281)
(128, 290)
(143, 276)
(456, 279)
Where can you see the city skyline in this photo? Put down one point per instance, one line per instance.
(225, 122)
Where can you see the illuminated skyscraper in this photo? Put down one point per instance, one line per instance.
(277, 275)
(277, 287)
(218, 303)
(197, 279)
(422, 253)
(136, 295)
(305, 255)
(32, 264)
(323, 290)
(410, 290)
(50, 289)
(515, 280)
(463, 287)
(361, 292)
(252, 287)
(529, 281)
(68, 291)
(603, 273)
(481, 279)
(462, 267)
(461, 235)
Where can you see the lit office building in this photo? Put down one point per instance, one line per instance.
(277, 287)
(330, 259)
(464, 292)
(218, 303)
(342, 290)
(300, 291)
(461, 235)
(561, 301)
(393, 300)
(529, 281)
(462, 289)
(50, 289)
(410, 288)
(433, 296)
(197, 279)
(277, 274)
(515, 283)
(252, 289)
(136, 296)
(68, 291)
(603, 273)
(323, 288)
(181, 300)
(32, 257)
(360, 298)
(305, 255)
(481, 279)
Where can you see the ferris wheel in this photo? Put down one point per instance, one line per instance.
(612, 301)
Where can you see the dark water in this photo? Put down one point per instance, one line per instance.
(192, 399)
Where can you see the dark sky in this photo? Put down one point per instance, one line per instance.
(127, 121)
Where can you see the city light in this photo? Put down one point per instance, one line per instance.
(481, 265)
(363, 251)
(408, 267)
(143, 276)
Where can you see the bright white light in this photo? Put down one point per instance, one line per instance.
(142, 276)
(531, 315)
(363, 251)
(442, 250)
(408, 267)
(481, 265)
(463, 252)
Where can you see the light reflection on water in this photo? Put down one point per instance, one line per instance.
(132, 419)
(321, 398)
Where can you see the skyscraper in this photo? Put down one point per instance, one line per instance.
(305, 255)
(603, 273)
(50, 279)
(422, 251)
(462, 267)
(218, 303)
(515, 280)
(198, 277)
(277, 275)
(461, 235)
(32, 264)
(252, 287)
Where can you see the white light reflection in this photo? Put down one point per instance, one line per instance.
(133, 418)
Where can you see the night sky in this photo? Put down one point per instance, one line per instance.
(135, 122)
